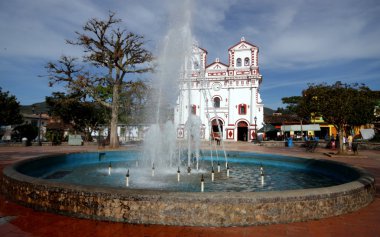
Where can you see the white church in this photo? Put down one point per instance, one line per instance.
(225, 97)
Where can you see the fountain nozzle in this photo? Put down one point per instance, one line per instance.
(178, 174)
(202, 184)
(127, 179)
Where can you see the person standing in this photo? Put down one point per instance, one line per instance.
(349, 140)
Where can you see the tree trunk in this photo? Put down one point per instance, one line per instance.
(114, 141)
(341, 145)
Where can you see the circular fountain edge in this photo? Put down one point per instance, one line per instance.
(187, 209)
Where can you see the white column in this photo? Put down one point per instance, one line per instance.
(253, 107)
(229, 106)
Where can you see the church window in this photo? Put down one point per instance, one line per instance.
(194, 109)
(246, 61)
(196, 65)
(242, 109)
(238, 62)
(216, 102)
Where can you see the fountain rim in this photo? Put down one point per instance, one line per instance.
(11, 171)
(336, 200)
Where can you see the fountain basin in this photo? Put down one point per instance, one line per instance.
(189, 208)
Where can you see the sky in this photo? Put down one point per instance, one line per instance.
(300, 41)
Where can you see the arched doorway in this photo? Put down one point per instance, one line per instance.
(214, 128)
(242, 131)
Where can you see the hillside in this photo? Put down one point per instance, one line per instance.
(39, 107)
(268, 111)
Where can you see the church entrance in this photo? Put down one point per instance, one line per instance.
(215, 130)
(242, 131)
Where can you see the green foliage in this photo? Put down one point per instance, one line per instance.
(133, 101)
(26, 130)
(340, 104)
(83, 117)
(292, 103)
(10, 109)
(110, 54)
(55, 135)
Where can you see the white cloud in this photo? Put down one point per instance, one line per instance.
(39, 28)
(291, 35)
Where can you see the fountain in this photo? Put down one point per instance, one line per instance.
(147, 187)
(175, 56)
(291, 189)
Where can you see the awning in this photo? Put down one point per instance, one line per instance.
(305, 127)
(267, 128)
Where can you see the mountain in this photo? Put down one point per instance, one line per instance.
(268, 111)
(40, 107)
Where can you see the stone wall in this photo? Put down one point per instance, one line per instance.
(188, 209)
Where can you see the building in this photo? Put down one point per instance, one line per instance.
(38, 120)
(225, 95)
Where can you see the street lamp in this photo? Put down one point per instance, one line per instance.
(255, 118)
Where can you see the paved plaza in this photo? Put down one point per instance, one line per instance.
(16, 220)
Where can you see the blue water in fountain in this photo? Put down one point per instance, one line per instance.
(280, 172)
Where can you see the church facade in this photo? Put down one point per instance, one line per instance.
(225, 97)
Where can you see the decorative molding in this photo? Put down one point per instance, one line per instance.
(252, 134)
(230, 134)
(180, 133)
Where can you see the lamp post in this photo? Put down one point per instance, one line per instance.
(39, 130)
(255, 118)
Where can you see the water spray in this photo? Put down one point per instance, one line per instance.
(212, 173)
(109, 169)
(228, 171)
(153, 170)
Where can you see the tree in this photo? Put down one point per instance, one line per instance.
(25, 130)
(55, 133)
(112, 53)
(10, 109)
(292, 105)
(339, 104)
(84, 117)
(134, 100)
